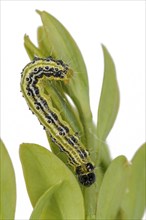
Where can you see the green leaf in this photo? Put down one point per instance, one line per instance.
(112, 189)
(31, 49)
(42, 170)
(42, 42)
(47, 206)
(7, 185)
(56, 204)
(103, 156)
(109, 99)
(134, 200)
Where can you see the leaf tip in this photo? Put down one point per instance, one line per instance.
(105, 50)
(26, 38)
(103, 46)
(22, 148)
(38, 11)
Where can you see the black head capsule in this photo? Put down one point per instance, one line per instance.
(85, 174)
(87, 179)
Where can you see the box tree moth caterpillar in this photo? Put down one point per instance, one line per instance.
(33, 88)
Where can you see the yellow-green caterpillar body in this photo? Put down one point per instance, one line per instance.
(33, 85)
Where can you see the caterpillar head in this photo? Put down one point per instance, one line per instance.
(85, 174)
(87, 179)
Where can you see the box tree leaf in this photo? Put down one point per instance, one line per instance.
(134, 200)
(109, 99)
(42, 170)
(7, 185)
(112, 189)
(56, 204)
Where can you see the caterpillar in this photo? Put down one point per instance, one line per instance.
(33, 78)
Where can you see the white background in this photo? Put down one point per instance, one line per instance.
(120, 26)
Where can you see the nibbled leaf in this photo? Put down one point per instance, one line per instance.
(7, 185)
(42, 170)
(112, 189)
(134, 200)
(109, 99)
(56, 204)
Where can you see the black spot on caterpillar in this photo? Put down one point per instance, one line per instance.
(32, 87)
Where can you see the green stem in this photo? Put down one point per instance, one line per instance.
(90, 193)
